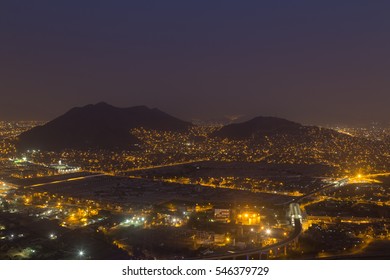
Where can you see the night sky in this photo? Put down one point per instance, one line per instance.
(316, 62)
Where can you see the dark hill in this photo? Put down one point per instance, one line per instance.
(259, 127)
(99, 126)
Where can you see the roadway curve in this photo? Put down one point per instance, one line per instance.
(266, 249)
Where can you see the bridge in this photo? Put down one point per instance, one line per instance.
(295, 213)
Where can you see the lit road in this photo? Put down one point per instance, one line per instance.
(67, 180)
(328, 186)
(351, 220)
(370, 248)
(265, 249)
(163, 165)
(377, 175)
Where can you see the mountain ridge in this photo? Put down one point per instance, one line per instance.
(96, 126)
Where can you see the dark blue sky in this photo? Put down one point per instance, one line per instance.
(316, 62)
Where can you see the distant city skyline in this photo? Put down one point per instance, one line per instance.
(313, 63)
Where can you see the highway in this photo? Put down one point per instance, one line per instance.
(297, 231)
(348, 219)
(328, 186)
(162, 165)
(337, 183)
(67, 180)
(377, 175)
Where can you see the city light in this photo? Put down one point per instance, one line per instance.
(194, 216)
